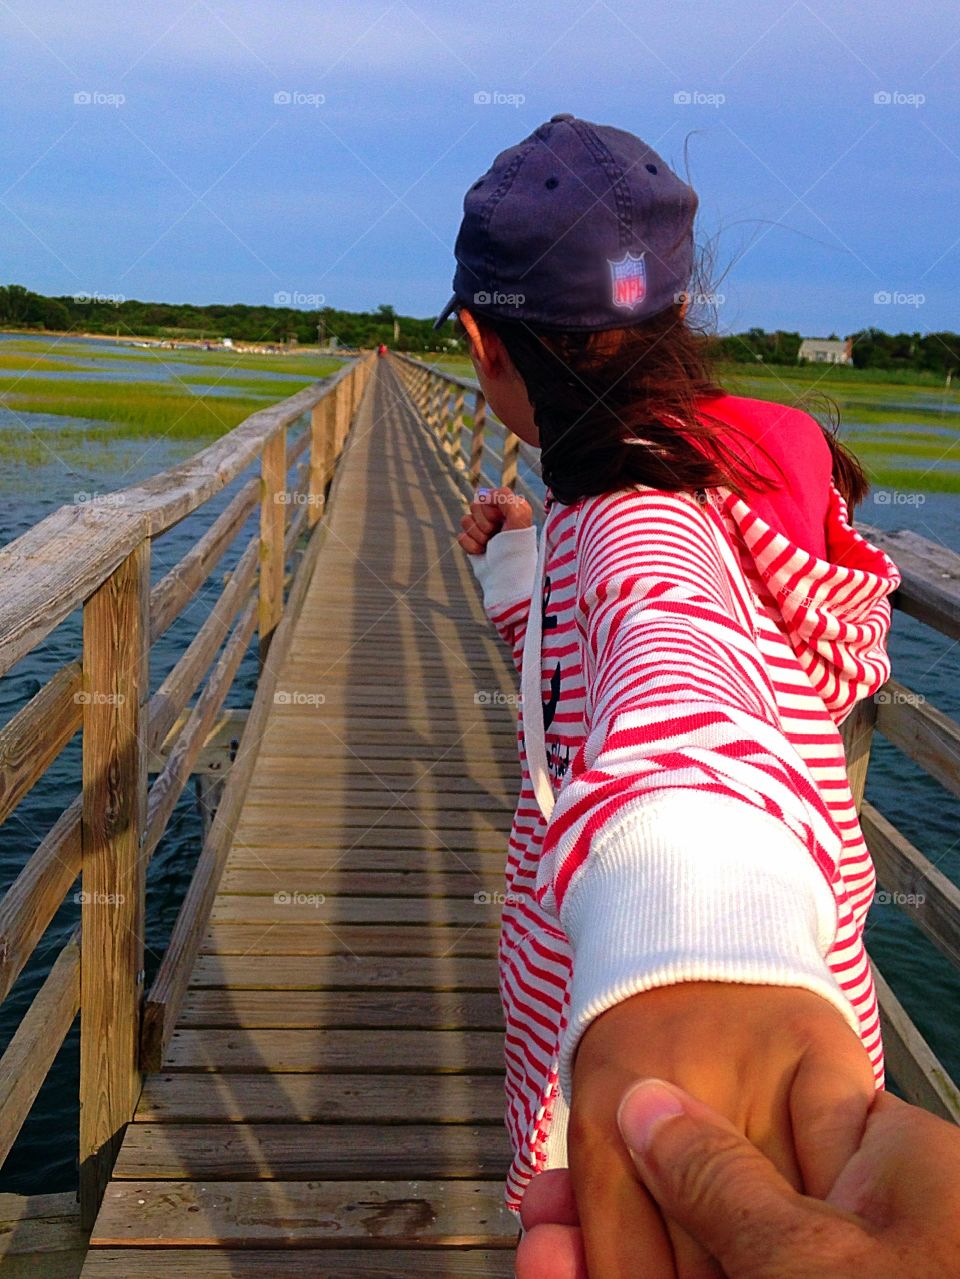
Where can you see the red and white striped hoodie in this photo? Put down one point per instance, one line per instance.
(702, 825)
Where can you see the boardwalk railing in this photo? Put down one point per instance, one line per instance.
(96, 556)
(929, 592)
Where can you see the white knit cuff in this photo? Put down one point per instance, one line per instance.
(507, 567)
(693, 886)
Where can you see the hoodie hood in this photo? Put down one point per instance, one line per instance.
(830, 584)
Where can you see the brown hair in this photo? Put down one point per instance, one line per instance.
(616, 407)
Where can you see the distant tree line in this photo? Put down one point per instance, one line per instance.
(104, 313)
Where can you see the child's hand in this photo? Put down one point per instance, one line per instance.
(491, 511)
(780, 1063)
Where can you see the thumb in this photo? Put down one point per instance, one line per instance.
(709, 1179)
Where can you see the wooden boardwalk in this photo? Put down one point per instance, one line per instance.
(331, 1102)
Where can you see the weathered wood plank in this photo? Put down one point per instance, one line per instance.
(113, 821)
(36, 894)
(911, 1061)
(304, 1213)
(360, 939)
(432, 835)
(35, 736)
(409, 1052)
(290, 1152)
(273, 471)
(342, 972)
(342, 855)
(177, 587)
(296, 1099)
(36, 1042)
(292, 904)
(913, 883)
(353, 1009)
(298, 1263)
(452, 879)
(41, 1237)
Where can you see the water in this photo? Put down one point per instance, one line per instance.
(44, 1157)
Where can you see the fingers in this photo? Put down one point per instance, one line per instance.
(830, 1099)
(549, 1197)
(551, 1252)
(707, 1177)
(622, 1227)
(691, 1259)
(492, 510)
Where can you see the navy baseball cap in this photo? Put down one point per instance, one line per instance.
(579, 226)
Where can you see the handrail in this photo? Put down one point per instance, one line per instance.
(98, 556)
(930, 592)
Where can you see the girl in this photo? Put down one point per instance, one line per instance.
(687, 882)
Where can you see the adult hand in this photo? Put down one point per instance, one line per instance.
(490, 511)
(893, 1212)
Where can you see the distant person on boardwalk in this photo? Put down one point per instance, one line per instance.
(382, 349)
(686, 880)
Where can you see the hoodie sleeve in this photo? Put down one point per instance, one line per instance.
(505, 571)
(689, 841)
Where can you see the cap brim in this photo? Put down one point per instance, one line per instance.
(444, 315)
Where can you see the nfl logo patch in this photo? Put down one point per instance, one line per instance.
(629, 280)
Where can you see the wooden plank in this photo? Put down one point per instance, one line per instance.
(343, 856)
(930, 590)
(343, 972)
(392, 817)
(116, 688)
(930, 738)
(35, 736)
(472, 1052)
(293, 905)
(36, 894)
(372, 833)
(180, 683)
(346, 1010)
(273, 513)
(179, 585)
(41, 1237)
(447, 881)
(36, 1042)
(297, 1099)
(910, 1059)
(305, 1213)
(184, 752)
(359, 939)
(291, 1152)
(913, 883)
(472, 798)
(299, 1263)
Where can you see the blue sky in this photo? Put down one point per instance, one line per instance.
(177, 175)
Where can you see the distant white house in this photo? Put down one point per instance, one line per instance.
(228, 343)
(826, 351)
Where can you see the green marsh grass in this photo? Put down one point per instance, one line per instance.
(141, 408)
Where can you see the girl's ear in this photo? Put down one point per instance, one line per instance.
(483, 346)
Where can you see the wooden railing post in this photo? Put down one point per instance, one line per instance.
(511, 454)
(319, 463)
(273, 512)
(476, 439)
(456, 428)
(116, 636)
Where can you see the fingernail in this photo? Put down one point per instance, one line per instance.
(643, 1109)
